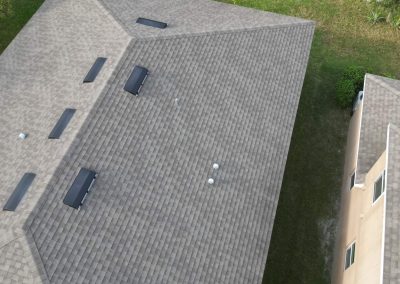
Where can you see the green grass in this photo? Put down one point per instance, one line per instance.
(10, 25)
(303, 237)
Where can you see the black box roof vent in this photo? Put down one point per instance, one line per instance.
(80, 188)
(62, 123)
(151, 23)
(136, 80)
(19, 192)
(94, 71)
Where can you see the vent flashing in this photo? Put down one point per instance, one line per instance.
(136, 80)
(19, 192)
(80, 187)
(151, 23)
(94, 71)
(62, 123)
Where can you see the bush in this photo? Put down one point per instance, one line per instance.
(345, 93)
(356, 75)
(349, 85)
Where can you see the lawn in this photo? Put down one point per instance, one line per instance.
(302, 242)
(303, 237)
(19, 13)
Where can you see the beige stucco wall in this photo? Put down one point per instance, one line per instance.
(353, 136)
(360, 220)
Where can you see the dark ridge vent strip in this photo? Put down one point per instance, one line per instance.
(151, 23)
(79, 188)
(62, 123)
(19, 192)
(136, 80)
(94, 71)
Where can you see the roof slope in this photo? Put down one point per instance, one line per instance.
(41, 74)
(391, 272)
(151, 211)
(380, 107)
(228, 95)
(191, 17)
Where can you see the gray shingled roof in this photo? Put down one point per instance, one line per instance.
(191, 17)
(223, 90)
(380, 107)
(40, 75)
(391, 272)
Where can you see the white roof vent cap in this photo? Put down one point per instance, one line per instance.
(210, 181)
(215, 166)
(22, 136)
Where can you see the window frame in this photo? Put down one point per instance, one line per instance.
(352, 248)
(383, 185)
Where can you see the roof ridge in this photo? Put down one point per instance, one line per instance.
(36, 255)
(222, 31)
(116, 20)
(290, 20)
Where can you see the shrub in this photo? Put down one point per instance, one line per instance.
(356, 75)
(345, 93)
(349, 85)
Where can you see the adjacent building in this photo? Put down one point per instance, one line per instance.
(368, 249)
(145, 141)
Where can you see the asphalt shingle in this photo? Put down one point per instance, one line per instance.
(380, 107)
(391, 267)
(225, 92)
(41, 74)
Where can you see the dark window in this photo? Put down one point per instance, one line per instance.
(350, 255)
(94, 71)
(62, 123)
(136, 80)
(80, 188)
(352, 180)
(151, 23)
(379, 187)
(19, 192)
